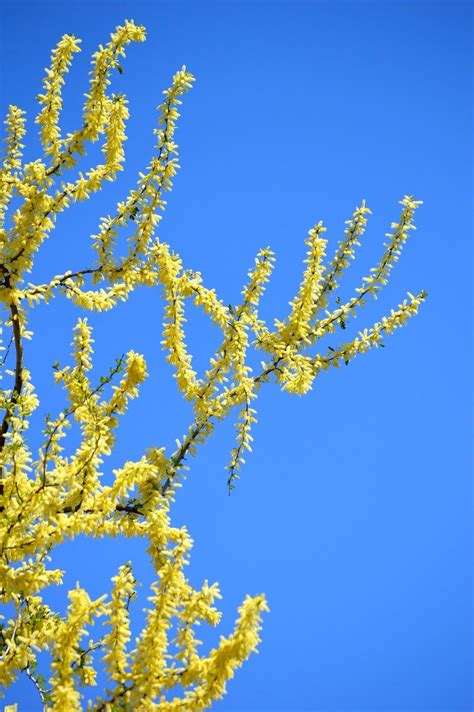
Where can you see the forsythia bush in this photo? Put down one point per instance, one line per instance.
(50, 496)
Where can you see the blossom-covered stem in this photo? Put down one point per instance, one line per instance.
(132, 203)
(345, 251)
(105, 59)
(179, 455)
(251, 294)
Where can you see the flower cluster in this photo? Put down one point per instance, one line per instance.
(57, 493)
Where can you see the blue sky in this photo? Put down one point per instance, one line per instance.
(354, 511)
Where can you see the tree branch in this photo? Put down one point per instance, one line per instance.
(18, 384)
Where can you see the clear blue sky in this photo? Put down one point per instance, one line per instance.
(354, 511)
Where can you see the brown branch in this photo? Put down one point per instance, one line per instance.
(114, 696)
(179, 455)
(18, 383)
(42, 693)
